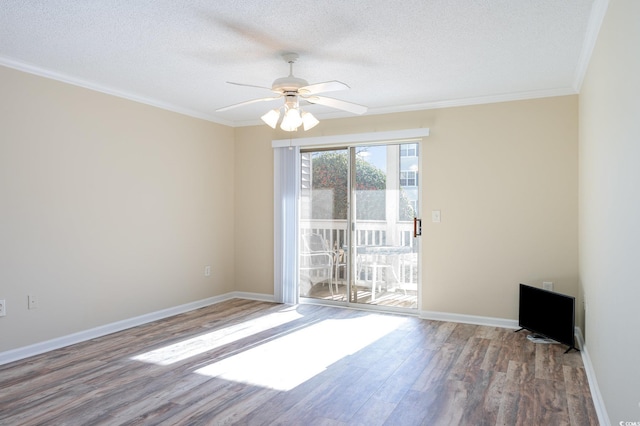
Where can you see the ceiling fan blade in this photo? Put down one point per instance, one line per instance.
(327, 86)
(247, 103)
(248, 85)
(337, 103)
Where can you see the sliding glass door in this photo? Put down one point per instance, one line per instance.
(324, 213)
(374, 189)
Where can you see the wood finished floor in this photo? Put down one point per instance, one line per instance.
(229, 363)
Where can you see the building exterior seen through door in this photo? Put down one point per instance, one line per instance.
(375, 190)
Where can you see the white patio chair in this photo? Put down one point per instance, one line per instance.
(316, 263)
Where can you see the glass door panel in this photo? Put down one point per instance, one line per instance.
(324, 209)
(385, 200)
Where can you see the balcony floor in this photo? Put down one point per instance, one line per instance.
(391, 297)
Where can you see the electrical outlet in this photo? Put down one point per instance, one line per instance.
(207, 271)
(3, 308)
(547, 285)
(32, 301)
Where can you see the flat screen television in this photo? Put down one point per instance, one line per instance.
(547, 313)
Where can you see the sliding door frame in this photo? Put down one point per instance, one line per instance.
(283, 268)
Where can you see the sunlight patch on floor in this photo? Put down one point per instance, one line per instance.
(292, 359)
(200, 344)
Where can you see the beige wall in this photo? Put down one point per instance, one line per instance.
(254, 210)
(109, 209)
(504, 176)
(610, 209)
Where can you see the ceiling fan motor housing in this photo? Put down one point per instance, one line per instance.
(288, 84)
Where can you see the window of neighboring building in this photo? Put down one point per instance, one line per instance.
(409, 150)
(408, 178)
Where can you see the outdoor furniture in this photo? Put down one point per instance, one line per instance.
(372, 271)
(376, 266)
(316, 263)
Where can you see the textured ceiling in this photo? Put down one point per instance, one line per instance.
(396, 56)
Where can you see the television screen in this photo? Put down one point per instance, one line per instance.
(547, 313)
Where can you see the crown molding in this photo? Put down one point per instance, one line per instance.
(506, 97)
(491, 99)
(65, 78)
(598, 12)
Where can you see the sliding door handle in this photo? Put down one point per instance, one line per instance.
(417, 227)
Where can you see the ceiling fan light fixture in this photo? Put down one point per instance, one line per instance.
(291, 89)
(309, 121)
(291, 120)
(271, 118)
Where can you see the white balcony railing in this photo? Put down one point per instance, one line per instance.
(368, 233)
(402, 270)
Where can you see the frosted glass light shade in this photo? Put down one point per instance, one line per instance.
(271, 118)
(291, 120)
(308, 120)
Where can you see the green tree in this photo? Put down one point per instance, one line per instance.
(330, 172)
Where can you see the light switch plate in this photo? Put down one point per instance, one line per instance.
(32, 301)
(435, 216)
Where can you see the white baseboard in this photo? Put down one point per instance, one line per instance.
(579, 339)
(596, 396)
(92, 333)
(469, 319)
(253, 296)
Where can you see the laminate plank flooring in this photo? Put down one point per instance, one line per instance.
(256, 363)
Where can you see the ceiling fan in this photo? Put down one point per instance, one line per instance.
(294, 89)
